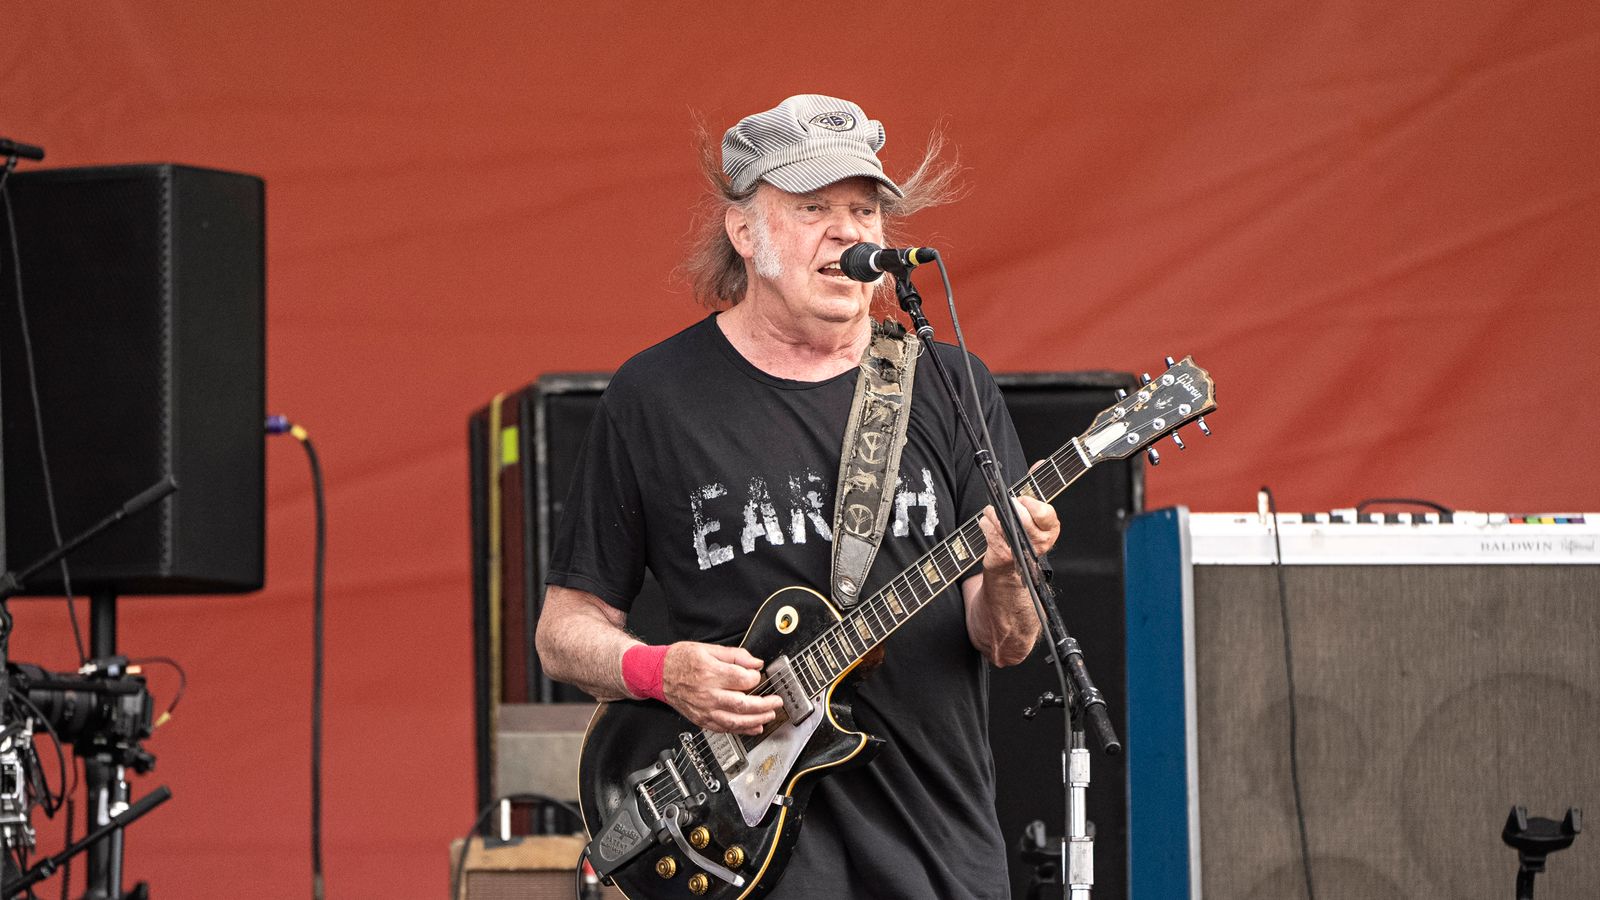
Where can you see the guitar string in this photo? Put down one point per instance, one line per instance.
(971, 534)
(838, 633)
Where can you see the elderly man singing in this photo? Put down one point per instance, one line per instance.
(714, 461)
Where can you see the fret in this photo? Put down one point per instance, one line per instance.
(877, 613)
(958, 547)
(1060, 476)
(816, 671)
(860, 635)
(865, 630)
(930, 574)
(840, 638)
(847, 640)
(1029, 488)
(893, 599)
(919, 595)
(976, 538)
(804, 681)
(827, 654)
(875, 630)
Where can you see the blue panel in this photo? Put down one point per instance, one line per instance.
(1155, 554)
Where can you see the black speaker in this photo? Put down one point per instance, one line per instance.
(143, 289)
(524, 449)
(1048, 410)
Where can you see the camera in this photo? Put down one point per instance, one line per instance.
(100, 707)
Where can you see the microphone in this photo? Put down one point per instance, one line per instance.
(9, 147)
(868, 262)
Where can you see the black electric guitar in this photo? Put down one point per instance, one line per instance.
(675, 811)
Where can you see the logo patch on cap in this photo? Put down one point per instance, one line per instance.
(834, 121)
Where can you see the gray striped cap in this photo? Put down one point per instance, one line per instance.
(807, 142)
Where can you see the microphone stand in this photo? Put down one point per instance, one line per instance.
(1079, 695)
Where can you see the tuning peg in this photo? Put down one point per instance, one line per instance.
(1204, 428)
(1155, 458)
(1176, 439)
(1171, 362)
(1145, 378)
(1122, 393)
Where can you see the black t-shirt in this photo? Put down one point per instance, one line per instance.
(720, 478)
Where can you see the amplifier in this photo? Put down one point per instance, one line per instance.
(534, 868)
(1445, 670)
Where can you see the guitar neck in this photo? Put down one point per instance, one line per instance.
(870, 623)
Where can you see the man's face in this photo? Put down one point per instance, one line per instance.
(794, 242)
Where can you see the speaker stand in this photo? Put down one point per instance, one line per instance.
(104, 774)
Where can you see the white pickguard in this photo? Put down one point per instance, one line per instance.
(768, 765)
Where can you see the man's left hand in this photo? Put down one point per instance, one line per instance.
(1039, 522)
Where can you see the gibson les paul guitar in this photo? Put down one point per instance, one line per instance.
(674, 811)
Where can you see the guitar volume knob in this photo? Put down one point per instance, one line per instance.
(666, 867)
(734, 857)
(700, 837)
(699, 883)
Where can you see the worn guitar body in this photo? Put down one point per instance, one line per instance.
(626, 736)
(676, 812)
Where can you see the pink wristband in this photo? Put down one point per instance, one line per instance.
(642, 669)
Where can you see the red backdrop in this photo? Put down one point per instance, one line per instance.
(1375, 224)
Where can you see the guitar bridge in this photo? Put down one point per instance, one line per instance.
(692, 753)
(727, 751)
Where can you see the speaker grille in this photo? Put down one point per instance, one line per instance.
(145, 300)
(1431, 699)
(534, 868)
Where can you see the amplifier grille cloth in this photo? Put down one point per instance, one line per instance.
(1430, 700)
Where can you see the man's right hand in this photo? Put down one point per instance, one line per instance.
(709, 684)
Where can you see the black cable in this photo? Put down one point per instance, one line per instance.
(61, 755)
(38, 415)
(1404, 501)
(19, 858)
(1047, 627)
(66, 865)
(1288, 668)
(483, 814)
(281, 425)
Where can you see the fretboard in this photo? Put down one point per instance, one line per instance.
(867, 625)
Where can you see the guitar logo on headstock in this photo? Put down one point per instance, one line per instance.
(1184, 393)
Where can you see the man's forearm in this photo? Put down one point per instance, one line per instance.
(1000, 617)
(581, 642)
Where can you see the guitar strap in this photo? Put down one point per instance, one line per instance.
(870, 459)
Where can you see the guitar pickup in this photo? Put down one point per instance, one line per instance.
(781, 678)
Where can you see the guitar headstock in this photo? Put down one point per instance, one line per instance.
(1182, 394)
